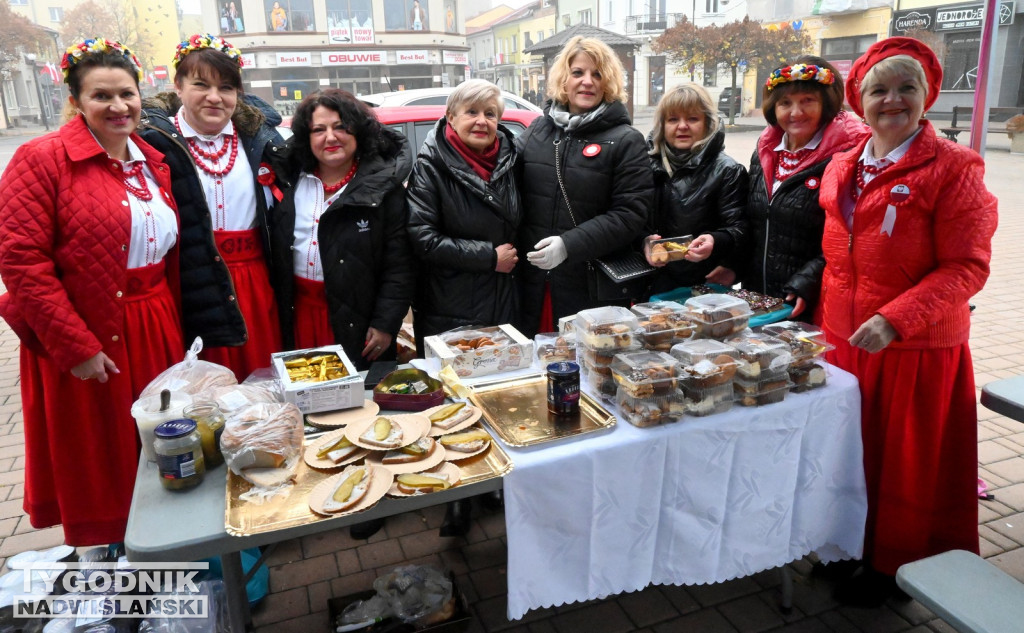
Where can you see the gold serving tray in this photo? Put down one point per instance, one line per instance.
(516, 409)
(245, 519)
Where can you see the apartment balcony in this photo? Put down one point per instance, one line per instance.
(645, 24)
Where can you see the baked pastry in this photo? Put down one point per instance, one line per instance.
(702, 402)
(761, 356)
(605, 328)
(559, 350)
(650, 411)
(807, 377)
(645, 374)
(759, 303)
(717, 316)
(710, 373)
(609, 336)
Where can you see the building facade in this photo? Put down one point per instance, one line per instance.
(294, 47)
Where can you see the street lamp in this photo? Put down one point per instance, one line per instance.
(31, 59)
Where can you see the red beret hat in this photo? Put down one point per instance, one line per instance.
(890, 48)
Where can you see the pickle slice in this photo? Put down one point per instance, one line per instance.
(468, 436)
(340, 444)
(423, 481)
(446, 412)
(344, 491)
(381, 428)
(413, 449)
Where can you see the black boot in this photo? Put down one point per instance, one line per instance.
(366, 529)
(868, 588)
(457, 518)
(493, 501)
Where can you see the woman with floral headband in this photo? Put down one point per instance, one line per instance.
(88, 252)
(221, 146)
(907, 243)
(803, 106)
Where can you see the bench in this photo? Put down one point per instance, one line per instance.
(962, 115)
(966, 591)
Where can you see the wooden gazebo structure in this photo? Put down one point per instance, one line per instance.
(623, 46)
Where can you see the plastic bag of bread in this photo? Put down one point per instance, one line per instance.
(262, 443)
(230, 398)
(191, 375)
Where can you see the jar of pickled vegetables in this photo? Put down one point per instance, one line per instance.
(210, 423)
(179, 454)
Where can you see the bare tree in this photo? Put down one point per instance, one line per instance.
(112, 19)
(731, 45)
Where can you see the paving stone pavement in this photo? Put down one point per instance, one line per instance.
(306, 572)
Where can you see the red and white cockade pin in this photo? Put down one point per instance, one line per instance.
(812, 183)
(592, 150)
(899, 194)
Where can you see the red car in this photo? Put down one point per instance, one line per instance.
(415, 122)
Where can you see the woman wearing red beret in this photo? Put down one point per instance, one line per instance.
(907, 243)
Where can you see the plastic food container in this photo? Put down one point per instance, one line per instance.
(761, 356)
(645, 374)
(806, 341)
(662, 324)
(148, 416)
(667, 249)
(808, 376)
(650, 411)
(718, 316)
(755, 393)
(705, 363)
(604, 358)
(554, 348)
(700, 402)
(606, 328)
(599, 379)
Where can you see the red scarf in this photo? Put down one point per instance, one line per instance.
(482, 164)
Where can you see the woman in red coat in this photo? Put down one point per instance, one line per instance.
(907, 243)
(87, 243)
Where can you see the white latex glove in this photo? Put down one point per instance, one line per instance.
(550, 253)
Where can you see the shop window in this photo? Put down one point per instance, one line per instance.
(350, 21)
(960, 63)
(451, 18)
(231, 19)
(289, 15)
(406, 15)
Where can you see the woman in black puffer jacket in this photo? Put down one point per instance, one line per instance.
(464, 211)
(607, 179)
(803, 106)
(342, 265)
(699, 191)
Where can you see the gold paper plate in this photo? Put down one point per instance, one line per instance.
(516, 409)
(245, 519)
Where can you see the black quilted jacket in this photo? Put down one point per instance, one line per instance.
(708, 196)
(207, 293)
(611, 192)
(456, 220)
(368, 267)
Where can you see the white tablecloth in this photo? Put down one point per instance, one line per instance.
(701, 501)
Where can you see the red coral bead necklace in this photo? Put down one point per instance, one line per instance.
(329, 189)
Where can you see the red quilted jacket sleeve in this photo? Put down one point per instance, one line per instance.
(965, 218)
(29, 236)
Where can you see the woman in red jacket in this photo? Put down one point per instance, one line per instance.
(907, 242)
(86, 226)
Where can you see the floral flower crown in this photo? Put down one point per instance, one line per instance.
(76, 52)
(800, 72)
(199, 42)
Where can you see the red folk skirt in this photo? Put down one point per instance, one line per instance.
(243, 253)
(312, 318)
(81, 443)
(920, 430)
